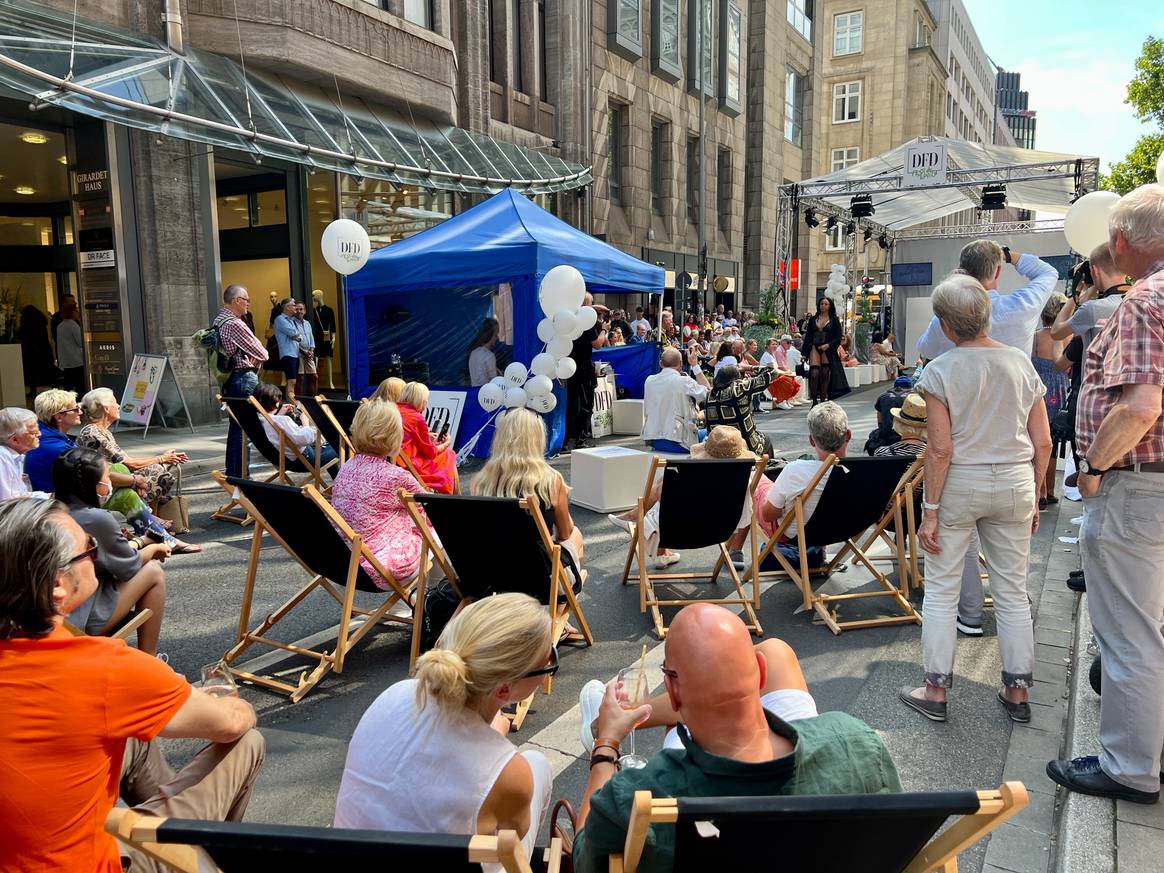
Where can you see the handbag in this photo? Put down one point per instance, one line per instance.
(177, 508)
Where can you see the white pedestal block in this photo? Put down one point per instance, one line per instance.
(853, 377)
(609, 478)
(628, 416)
(866, 374)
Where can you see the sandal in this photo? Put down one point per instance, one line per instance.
(185, 549)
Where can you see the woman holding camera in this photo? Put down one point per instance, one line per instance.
(289, 420)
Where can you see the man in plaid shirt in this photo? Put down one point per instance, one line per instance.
(246, 353)
(1120, 440)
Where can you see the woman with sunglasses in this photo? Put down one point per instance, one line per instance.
(128, 578)
(431, 756)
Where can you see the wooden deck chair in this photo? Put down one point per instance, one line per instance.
(860, 493)
(908, 496)
(726, 484)
(248, 415)
(331, 431)
(839, 833)
(194, 846)
(471, 531)
(133, 621)
(343, 411)
(321, 542)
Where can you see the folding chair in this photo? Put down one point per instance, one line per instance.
(839, 833)
(908, 496)
(860, 493)
(726, 484)
(469, 529)
(343, 411)
(132, 623)
(321, 542)
(193, 846)
(249, 416)
(332, 432)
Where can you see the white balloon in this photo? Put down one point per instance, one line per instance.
(587, 317)
(546, 330)
(837, 268)
(501, 382)
(566, 368)
(1086, 223)
(562, 288)
(515, 374)
(515, 398)
(345, 246)
(538, 386)
(543, 364)
(490, 396)
(834, 284)
(1160, 169)
(564, 322)
(542, 403)
(560, 347)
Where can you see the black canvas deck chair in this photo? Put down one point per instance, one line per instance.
(343, 411)
(248, 415)
(329, 427)
(860, 494)
(469, 530)
(320, 541)
(839, 833)
(194, 846)
(909, 497)
(727, 485)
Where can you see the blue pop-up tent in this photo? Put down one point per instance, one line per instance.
(424, 298)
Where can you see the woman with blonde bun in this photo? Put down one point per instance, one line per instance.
(431, 756)
(390, 389)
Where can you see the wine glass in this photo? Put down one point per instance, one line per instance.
(217, 680)
(637, 684)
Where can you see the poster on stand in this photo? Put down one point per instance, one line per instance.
(602, 418)
(141, 388)
(445, 407)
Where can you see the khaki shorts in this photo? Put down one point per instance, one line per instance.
(307, 365)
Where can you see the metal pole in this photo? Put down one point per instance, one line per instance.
(702, 238)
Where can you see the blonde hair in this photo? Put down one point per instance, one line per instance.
(517, 465)
(48, 403)
(390, 389)
(963, 305)
(1053, 307)
(93, 403)
(415, 394)
(493, 641)
(377, 429)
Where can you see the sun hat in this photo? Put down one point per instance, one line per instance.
(912, 413)
(722, 442)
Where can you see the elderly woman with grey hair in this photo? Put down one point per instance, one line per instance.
(101, 409)
(730, 401)
(19, 434)
(989, 443)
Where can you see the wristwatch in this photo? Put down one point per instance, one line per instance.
(1087, 469)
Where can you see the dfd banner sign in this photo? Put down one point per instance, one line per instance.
(925, 164)
(445, 408)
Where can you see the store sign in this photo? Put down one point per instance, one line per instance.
(99, 258)
(925, 164)
(90, 184)
(445, 407)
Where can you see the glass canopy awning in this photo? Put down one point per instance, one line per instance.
(131, 79)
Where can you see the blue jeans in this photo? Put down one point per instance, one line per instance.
(326, 456)
(675, 448)
(242, 383)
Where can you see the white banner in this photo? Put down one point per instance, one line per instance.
(445, 407)
(925, 164)
(602, 417)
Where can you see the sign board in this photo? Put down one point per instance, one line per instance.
(921, 273)
(794, 274)
(101, 258)
(141, 387)
(445, 407)
(925, 164)
(602, 416)
(93, 183)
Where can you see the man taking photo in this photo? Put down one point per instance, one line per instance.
(669, 398)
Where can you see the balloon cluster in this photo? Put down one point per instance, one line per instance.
(1086, 223)
(837, 286)
(561, 294)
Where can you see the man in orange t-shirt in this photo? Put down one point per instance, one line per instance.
(79, 715)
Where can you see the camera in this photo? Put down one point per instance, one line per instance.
(1081, 275)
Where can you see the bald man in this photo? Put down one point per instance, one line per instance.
(732, 746)
(669, 416)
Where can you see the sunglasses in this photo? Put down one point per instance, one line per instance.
(548, 670)
(670, 674)
(90, 554)
(70, 409)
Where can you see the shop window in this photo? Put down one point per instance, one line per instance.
(270, 208)
(234, 212)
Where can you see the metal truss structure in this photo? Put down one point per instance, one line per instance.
(1001, 228)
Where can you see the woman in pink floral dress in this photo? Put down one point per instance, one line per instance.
(366, 492)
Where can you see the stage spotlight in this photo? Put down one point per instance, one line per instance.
(868, 234)
(883, 241)
(994, 197)
(810, 218)
(850, 228)
(831, 223)
(861, 206)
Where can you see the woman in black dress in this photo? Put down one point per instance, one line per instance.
(822, 339)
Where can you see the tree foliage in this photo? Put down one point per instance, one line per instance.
(1138, 168)
(1146, 90)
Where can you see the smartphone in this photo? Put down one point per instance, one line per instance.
(444, 432)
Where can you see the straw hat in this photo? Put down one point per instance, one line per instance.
(912, 413)
(722, 442)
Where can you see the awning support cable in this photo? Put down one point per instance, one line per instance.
(72, 43)
(242, 59)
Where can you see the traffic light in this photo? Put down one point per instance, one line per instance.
(866, 284)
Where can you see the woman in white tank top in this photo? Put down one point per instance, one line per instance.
(431, 756)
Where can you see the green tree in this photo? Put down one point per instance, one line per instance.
(1146, 90)
(1138, 168)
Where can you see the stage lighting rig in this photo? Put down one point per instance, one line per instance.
(831, 223)
(861, 206)
(994, 197)
(868, 234)
(850, 228)
(810, 218)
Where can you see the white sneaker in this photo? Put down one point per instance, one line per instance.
(784, 405)
(664, 561)
(628, 526)
(589, 702)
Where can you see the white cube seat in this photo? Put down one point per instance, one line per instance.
(628, 416)
(608, 478)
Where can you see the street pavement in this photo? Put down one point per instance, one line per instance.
(859, 672)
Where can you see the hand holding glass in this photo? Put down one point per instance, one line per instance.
(217, 681)
(637, 684)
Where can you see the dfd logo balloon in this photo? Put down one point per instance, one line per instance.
(345, 246)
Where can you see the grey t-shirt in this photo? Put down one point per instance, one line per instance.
(990, 393)
(1090, 317)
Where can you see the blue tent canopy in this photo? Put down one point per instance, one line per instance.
(455, 266)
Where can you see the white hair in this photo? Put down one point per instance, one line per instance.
(93, 403)
(1139, 217)
(828, 423)
(962, 304)
(13, 420)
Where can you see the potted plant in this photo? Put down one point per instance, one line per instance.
(770, 319)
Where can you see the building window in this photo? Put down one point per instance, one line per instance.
(624, 28)
(847, 32)
(800, 17)
(794, 108)
(846, 102)
(515, 41)
(921, 36)
(723, 188)
(665, 59)
(845, 158)
(694, 36)
(835, 239)
(731, 35)
(419, 12)
(693, 193)
(543, 69)
(658, 143)
(614, 143)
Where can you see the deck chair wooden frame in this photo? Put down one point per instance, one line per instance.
(139, 618)
(649, 598)
(823, 604)
(906, 495)
(324, 419)
(560, 584)
(939, 855)
(281, 474)
(342, 591)
(154, 836)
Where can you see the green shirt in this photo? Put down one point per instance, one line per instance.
(832, 753)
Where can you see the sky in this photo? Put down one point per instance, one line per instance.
(1076, 59)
